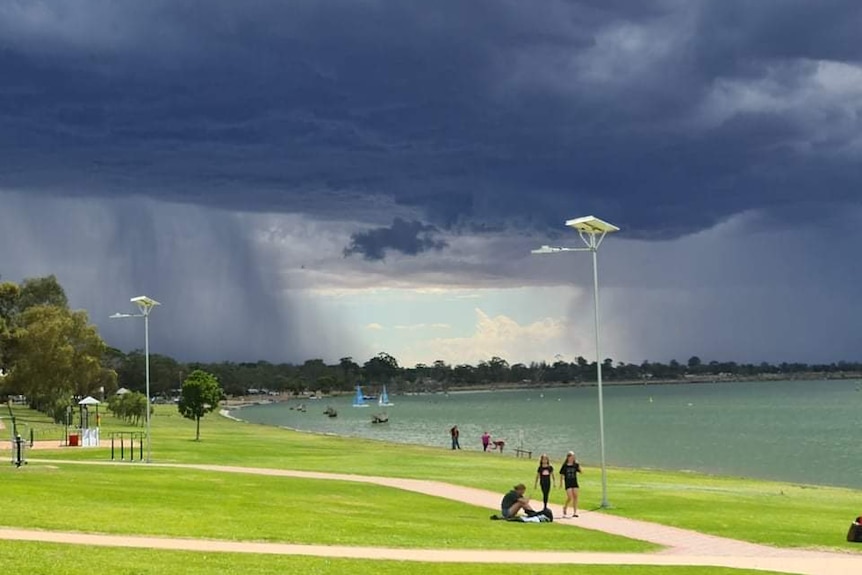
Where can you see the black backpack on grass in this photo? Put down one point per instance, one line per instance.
(854, 534)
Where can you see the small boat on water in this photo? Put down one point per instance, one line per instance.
(330, 411)
(359, 399)
(379, 418)
(383, 400)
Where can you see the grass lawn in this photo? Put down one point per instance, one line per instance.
(773, 513)
(51, 559)
(134, 499)
(765, 512)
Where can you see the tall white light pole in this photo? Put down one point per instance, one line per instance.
(146, 305)
(592, 231)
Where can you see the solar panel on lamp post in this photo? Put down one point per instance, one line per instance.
(592, 231)
(145, 305)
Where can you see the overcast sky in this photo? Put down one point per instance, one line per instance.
(331, 178)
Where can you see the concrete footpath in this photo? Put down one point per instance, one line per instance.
(682, 547)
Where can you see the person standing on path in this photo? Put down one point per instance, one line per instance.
(486, 441)
(545, 477)
(569, 471)
(455, 433)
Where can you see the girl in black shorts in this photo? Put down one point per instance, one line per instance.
(569, 471)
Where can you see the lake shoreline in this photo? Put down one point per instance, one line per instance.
(242, 401)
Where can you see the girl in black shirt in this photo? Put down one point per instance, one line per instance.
(545, 477)
(569, 470)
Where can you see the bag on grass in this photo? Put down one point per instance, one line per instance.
(854, 534)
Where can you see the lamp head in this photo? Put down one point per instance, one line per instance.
(119, 315)
(544, 250)
(592, 225)
(144, 301)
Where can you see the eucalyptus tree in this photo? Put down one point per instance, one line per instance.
(9, 296)
(42, 291)
(349, 370)
(56, 356)
(465, 374)
(382, 367)
(441, 371)
(326, 384)
(314, 369)
(694, 363)
(560, 371)
(498, 369)
(520, 372)
(419, 372)
(165, 373)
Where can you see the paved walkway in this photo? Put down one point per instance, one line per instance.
(682, 547)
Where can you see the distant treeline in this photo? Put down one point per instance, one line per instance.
(315, 375)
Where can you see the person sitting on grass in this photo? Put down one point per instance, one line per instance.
(514, 501)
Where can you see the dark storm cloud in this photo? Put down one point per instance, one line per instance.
(736, 35)
(475, 114)
(410, 238)
(219, 300)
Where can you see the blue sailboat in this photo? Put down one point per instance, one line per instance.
(383, 400)
(359, 400)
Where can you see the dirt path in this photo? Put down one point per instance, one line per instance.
(683, 547)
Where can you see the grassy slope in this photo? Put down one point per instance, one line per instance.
(49, 559)
(765, 512)
(187, 503)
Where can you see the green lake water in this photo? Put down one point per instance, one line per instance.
(798, 431)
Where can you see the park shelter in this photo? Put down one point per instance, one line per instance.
(89, 430)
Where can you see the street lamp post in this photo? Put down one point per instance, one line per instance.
(145, 305)
(592, 231)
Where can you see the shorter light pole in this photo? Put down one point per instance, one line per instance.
(592, 231)
(145, 305)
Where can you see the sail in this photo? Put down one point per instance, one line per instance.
(359, 400)
(383, 401)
